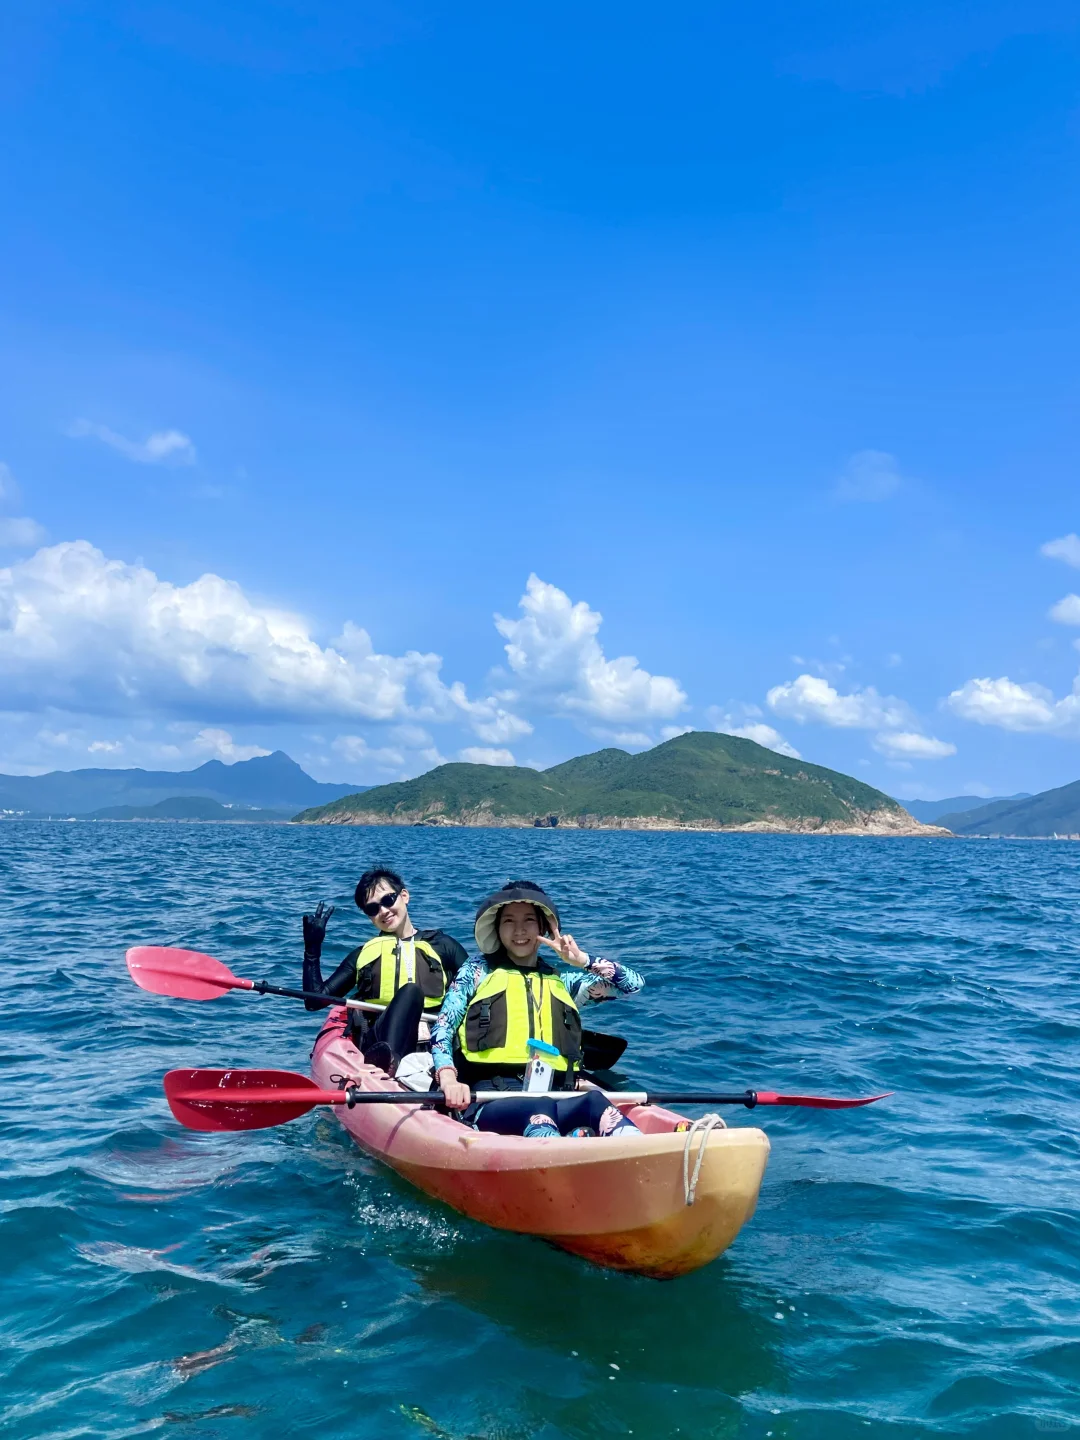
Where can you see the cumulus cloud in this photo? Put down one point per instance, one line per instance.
(20, 533)
(908, 745)
(485, 755)
(84, 633)
(488, 718)
(762, 734)
(162, 447)
(1066, 548)
(812, 698)
(357, 751)
(221, 746)
(1067, 610)
(869, 476)
(745, 721)
(1012, 706)
(559, 665)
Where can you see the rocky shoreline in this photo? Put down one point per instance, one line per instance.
(873, 822)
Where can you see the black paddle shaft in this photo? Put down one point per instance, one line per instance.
(436, 1097)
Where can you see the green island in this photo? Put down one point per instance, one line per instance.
(698, 781)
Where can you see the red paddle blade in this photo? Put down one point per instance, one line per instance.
(242, 1099)
(184, 974)
(816, 1102)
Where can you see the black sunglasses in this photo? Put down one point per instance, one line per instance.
(384, 902)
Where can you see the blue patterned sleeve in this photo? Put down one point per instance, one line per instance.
(455, 1003)
(586, 989)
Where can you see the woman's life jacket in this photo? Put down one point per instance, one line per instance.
(386, 963)
(512, 1006)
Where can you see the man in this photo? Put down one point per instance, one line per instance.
(405, 969)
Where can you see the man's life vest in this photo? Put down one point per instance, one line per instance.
(511, 1007)
(386, 963)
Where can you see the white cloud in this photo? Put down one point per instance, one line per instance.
(1067, 548)
(411, 737)
(637, 738)
(105, 747)
(162, 447)
(907, 745)
(484, 755)
(84, 633)
(762, 734)
(672, 732)
(1012, 706)
(487, 718)
(356, 750)
(870, 475)
(811, 697)
(1067, 610)
(221, 746)
(560, 666)
(21, 533)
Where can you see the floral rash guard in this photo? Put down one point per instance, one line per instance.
(584, 989)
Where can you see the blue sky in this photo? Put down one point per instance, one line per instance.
(752, 332)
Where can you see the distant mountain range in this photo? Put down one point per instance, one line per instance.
(930, 811)
(701, 780)
(1053, 812)
(268, 782)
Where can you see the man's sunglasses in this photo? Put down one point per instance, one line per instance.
(384, 902)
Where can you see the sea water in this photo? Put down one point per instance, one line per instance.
(913, 1268)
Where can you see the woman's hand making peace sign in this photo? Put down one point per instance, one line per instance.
(567, 948)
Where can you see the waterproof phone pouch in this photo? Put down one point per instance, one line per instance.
(539, 1069)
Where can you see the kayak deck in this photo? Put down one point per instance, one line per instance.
(619, 1202)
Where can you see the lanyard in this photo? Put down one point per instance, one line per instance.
(406, 958)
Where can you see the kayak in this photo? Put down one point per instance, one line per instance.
(626, 1202)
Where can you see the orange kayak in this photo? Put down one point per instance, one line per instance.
(620, 1202)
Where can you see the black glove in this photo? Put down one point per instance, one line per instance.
(315, 928)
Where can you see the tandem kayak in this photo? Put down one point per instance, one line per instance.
(620, 1202)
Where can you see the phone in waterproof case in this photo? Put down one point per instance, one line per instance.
(539, 1070)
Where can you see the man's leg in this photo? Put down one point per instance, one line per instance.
(396, 1031)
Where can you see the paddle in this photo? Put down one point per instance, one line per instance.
(191, 975)
(257, 1099)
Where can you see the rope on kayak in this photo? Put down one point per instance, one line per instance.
(704, 1125)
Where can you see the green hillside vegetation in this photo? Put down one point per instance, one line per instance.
(701, 779)
(1054, 812)
(186, 807)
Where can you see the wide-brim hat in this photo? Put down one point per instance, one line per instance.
(486, 928)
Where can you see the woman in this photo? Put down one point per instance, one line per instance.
(403, 968)
(499, 1004)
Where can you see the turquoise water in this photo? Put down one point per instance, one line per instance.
(912, 1270)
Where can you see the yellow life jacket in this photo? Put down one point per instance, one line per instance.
(511, 1007)
(386, 963)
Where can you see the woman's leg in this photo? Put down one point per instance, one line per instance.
(519, 1116)
(395, 1033)
(589, 1110)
